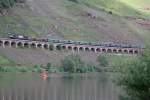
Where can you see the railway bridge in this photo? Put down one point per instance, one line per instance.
(17, 43)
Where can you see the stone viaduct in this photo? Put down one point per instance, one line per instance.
(4, 42)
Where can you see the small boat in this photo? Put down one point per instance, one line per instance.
(44, 75)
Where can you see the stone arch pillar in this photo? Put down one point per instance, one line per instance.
(1, 43)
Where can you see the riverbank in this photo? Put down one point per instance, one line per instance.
(57, 70)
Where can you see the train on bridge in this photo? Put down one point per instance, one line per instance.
(104, 44)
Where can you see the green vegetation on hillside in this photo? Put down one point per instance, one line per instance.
(7, 3)
(5, 61)
(103, 61)
(9, 24)
(69, 19)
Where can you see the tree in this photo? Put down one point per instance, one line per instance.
(135, 78)
(103, 61)
(72, 63)
(48, 67)
(7, 3)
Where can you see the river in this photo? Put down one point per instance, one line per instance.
(57, 87)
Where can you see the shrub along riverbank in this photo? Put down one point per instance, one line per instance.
(70, 64)
(51, 69)
(134, 77)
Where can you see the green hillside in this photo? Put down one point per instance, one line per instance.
(134, 8)
(69, 19)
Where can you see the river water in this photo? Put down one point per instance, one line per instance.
(57, 87)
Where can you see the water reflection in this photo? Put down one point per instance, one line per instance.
(31, 87)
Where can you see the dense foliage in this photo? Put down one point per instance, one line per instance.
(135, 78)
(74, 64)
(6, 3)
(71, 63)
(103, 61)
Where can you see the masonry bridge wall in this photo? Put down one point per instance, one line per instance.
(61, 46)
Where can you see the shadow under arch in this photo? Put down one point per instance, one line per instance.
(13, 44)
(109, 51)
(19, 44)
(125, 51)
(26, 45)
(39, 45)
(69, 47)
(7, 43)
(87, 49)
(81, 49)
(75, 48)
(64, 47)
(45, 46)
(104, 50)
(33, 45)
(51, 47)
(98, 50)
(93, 49)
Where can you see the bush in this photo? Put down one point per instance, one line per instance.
(91, 67)
(48, 67)
(135, 78)
(72, 63)
(37, 68)
(1, 69)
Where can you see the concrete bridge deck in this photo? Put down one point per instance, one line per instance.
(6, 42)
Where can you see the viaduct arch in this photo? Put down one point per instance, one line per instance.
(72, 47)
